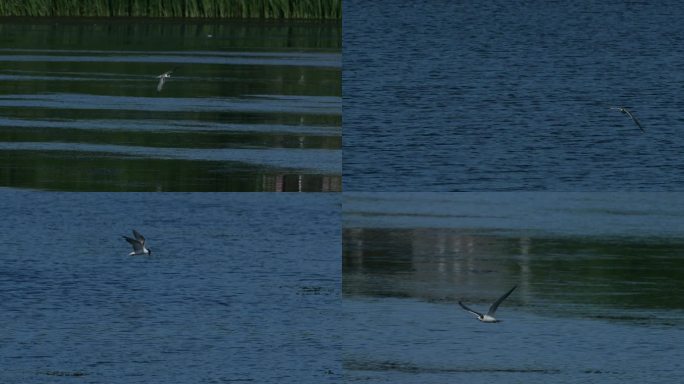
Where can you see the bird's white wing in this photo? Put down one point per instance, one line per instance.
(162, 79)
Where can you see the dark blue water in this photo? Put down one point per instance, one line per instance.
(598, 298)
(500, 95)
(239, 288)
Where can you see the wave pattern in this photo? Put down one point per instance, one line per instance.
(268, 118)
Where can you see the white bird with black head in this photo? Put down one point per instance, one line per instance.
(163, 77)
(138, 243)
(489, 316)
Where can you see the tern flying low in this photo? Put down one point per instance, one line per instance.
(138, 244)
(630, 115)
(162, 79)
(489, 316)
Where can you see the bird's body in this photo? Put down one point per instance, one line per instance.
(138, 243)
(488, 319)
(489, 316)
(630, 115)
(162, 79)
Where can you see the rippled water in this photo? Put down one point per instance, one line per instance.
(239, 288)
(598, 298)
(499, 95)
(249, 106)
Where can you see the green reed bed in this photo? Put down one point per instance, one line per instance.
(262, 9)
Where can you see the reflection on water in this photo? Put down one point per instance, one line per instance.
(591, 282)
(248, 104)
(56, 170)
(601, 278)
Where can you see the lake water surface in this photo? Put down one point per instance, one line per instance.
(599, 298)
(239, 288)
(501, 95)
(249, 107)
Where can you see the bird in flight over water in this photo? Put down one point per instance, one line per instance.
(630, 115)
(489, 316)
(138, 243)
(163, 77)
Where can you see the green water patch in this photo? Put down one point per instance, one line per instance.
(168, 139)
(81, 171)
(257, 9)
(600, 277)
(250, 105)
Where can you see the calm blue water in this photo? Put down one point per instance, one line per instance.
(598, 298)
(409, 341)
(500, 95)
(542, 214)
(239, 288)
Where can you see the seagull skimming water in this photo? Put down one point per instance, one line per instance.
(630, 115)
(138, 244)
(162, 79)
(489, 316)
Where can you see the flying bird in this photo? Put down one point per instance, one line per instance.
(138, 243)
(630, 115)
(489, 316)
(163, 77)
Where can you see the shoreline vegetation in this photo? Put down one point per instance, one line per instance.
(224, 9)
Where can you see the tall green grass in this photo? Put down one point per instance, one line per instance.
(261, 9)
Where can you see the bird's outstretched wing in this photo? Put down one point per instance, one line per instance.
(162, 79)
(137, 245)
(634, 119)
(478, 314)
(493, 307)
(139, 237)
